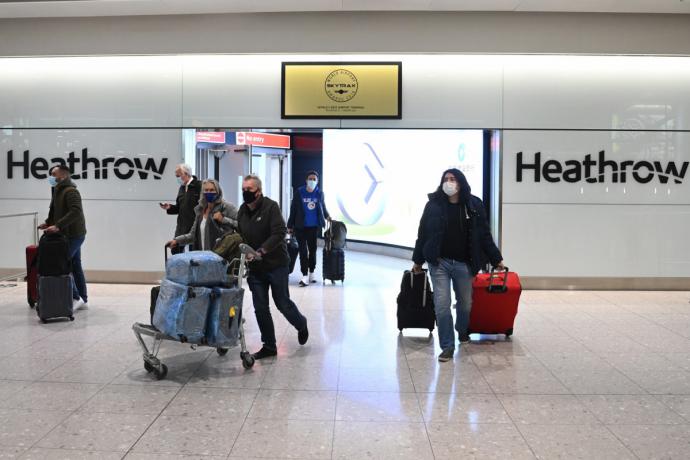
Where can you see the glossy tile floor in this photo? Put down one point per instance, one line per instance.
(587, 375)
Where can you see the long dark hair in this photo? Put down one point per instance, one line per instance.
(465, 189)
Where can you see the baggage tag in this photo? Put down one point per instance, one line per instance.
(232, 312)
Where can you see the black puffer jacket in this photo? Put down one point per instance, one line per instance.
(433, 225)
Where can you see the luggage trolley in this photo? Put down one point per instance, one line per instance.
(154, 365)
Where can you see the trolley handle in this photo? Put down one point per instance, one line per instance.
(249, 251)
(502, 275)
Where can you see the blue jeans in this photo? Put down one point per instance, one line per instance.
(442, 274)
(79, 286)
(277, 280)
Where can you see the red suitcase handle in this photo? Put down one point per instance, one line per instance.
(496, 275)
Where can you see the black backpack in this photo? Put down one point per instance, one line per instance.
(53, 255)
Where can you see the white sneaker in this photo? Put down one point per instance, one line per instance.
(77, 304)
(312, 278)
(304, 281)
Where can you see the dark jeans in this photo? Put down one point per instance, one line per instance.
(79, 286)
(306, 237)
(277, 280)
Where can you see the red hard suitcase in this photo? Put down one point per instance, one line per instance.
(495, 298)
(31, 275)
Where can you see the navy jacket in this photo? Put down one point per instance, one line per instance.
(296, 219)
(433, 224)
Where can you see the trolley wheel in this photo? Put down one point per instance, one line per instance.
(71, 318)
(248, 363)
(509, 332)
(222, 351)
(149, 368)
(247, 360)
(161, 373)
(332, 281)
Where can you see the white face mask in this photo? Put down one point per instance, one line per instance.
(312, 184)
(450, 188)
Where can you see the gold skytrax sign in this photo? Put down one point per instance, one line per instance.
(342, 90)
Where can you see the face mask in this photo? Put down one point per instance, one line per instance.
(180, 181)
(450, 188)
(52, 181)
(248, 197)
(210, 196)
(312, 184)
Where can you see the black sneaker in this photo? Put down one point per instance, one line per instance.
(465, 339)
(303, 335)
(264, 353)
(446, 355)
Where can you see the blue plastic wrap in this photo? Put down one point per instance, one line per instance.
(197, 268)
(224, 316)
(181, 311)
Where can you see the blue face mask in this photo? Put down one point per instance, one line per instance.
(52, 181)
(180, 181)
(312, 184)
(210, 196)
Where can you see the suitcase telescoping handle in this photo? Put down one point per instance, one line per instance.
(426, 283)
(500, 287)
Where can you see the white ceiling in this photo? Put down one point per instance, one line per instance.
(59, 8)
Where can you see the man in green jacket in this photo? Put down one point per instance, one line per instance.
(263, 228)
(67, 216)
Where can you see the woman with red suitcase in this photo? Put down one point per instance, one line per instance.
(455, 240)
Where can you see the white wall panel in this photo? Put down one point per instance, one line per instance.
(438, 91)
(237, 92)
(446, 92)
(596, 229)
(597, 92)
(83, 92)
(597, 240)
(126, 227)
(662, 150)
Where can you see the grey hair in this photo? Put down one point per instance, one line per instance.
(185, 168)
(256, 179)
(219, 191)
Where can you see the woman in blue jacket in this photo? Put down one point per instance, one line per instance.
(455, 240)
(308, 215)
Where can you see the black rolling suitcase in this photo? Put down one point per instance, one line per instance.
(55, 298)
(416, 302)
(333, 265)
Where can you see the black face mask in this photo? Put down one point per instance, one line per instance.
(248, 196)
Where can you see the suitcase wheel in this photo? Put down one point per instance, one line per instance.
(44, 321)
(32, 302)
(509, 332)
(71, 318)
(161, 373)
(222, 351)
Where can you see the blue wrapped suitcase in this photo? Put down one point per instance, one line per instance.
(181, 311)
(223, 317)
(197, 268)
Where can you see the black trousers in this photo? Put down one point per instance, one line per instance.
(306, 237)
